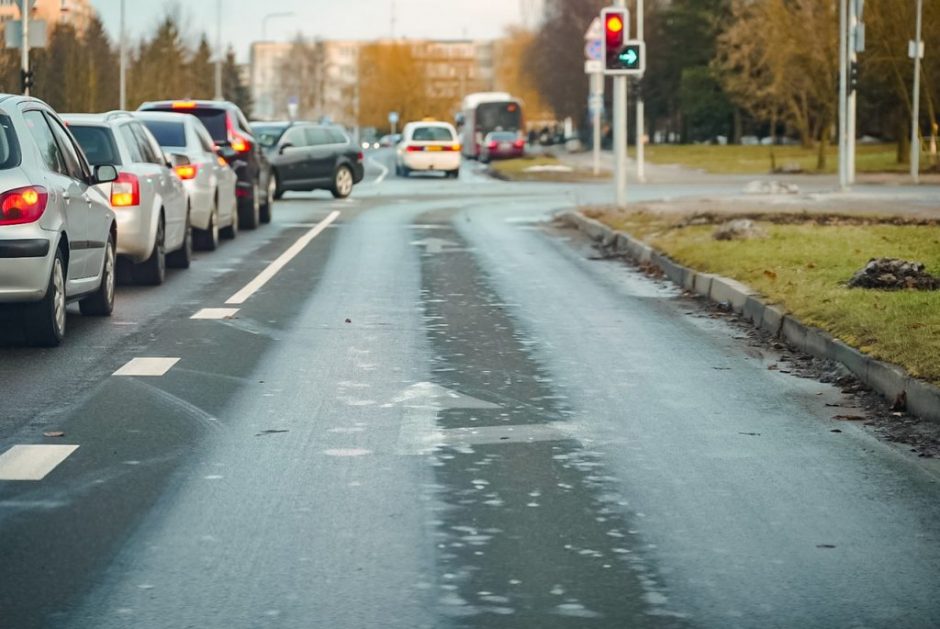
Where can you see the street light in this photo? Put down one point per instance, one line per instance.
(264, 22)
(123, 90)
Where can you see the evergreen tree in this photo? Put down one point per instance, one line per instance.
(103, 67)
(233, 88)
(159, 70)
(201, 71)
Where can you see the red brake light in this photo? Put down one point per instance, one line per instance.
(491, 145)
(22, 205)
(238, 142)
(188, 171)
(519, 143)
(125, 191)
(360, 156)
(414, 148)
(184, 104)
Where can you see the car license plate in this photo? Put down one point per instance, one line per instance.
(505, 146)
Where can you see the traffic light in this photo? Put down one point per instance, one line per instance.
(615, 34)
(853, 76)
(26, 79)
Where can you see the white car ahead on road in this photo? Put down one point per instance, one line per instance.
(148, 198)
(57, 231)
(428, 146)
(208, 179)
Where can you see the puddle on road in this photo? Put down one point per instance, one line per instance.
(528, 534)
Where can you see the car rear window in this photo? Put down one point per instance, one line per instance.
(504, 136)
(213, 118)
(168, 134)
(432, 134)
(97, 143)
(9, 147)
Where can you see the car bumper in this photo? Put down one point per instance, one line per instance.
(25, 263)
(432, 160)
(136, 233)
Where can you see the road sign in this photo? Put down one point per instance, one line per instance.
(594, 49)
(594, 66)
(19, 3)
(595, 30)
(596, 103)
(393, 117)
(629, 59)
(13, 33)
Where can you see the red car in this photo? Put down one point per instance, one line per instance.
(502, 145)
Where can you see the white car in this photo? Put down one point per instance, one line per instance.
(428, 146)
(147, 197)
(209, 181)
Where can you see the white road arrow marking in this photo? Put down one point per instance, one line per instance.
(420, 403)
(434, 245)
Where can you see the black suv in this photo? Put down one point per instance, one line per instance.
(233, 136)
(305, 156)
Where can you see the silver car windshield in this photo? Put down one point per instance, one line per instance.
(9, 146)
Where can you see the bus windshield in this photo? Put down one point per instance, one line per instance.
(502, 116)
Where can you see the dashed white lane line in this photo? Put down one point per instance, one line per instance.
(272, 269)
(32, 462)
(215, 313)
(384, 170)
(146, 367)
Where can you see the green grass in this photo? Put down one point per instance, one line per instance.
(804, 267)
(515, 170)
(870, 158)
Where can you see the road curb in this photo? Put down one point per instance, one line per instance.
(892, 382)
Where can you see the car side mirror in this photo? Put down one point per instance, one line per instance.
(284, 147)
(178, 159)
(105, 173)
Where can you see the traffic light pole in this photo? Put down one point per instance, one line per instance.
(843, 92)
(915, 115)
(24, 45)
(620, 132)
(640, 107)
(852, 104)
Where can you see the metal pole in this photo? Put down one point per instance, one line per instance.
(218, 49)
(123, 92)
(915, 115)
(24, 45)
(843, 92)
(620, 131)
(597, 87)
(852, 104)
(640, 107)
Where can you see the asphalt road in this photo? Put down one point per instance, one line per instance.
(442, 412)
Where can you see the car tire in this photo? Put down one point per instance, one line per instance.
(250, 217)
(231, 231)
(152, 271)
(278, 192)
(404, 171)
(44, 321)
(101, 302)
(453, 174)
(342, 182)
(269, 199)
(183, 257)
(208, 239)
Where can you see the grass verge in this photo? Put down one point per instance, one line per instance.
(804, 265)
(520, 169)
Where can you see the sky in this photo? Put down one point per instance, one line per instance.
(242, 20)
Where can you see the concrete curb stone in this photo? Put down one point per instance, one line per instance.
(923, 398)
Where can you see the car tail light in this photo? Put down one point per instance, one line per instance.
(23, 205)
(414, 148)
(360, 156)
(183, 104)
(519, 143)
(189, 171)
(125, 191)
(238, 142)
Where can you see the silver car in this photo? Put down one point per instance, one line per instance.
(57, 230)
(147, 197)
(208, 179)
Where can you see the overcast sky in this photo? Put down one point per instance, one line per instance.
(332, 19)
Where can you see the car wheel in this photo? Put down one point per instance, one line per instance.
(269, 199)
(152, 271)
(453, 174)
(101, 302)
(251, 217)
(183, 257)
(232, 230)
(278, 193)
(404, 171)
(45, 320)
(208, 239)
(342, 182)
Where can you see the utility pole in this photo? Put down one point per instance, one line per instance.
(918, 51)
(640, 107)
(620, 130)
(24, 59)
(218, 51)
(852, 106)
(123, 53)
(843, 92)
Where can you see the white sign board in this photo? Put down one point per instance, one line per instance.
(592, 66)
(393, 117)
(13, 33)
(913, 50)
(595, 30)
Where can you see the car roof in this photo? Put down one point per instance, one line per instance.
(102, 120)
(168, 116)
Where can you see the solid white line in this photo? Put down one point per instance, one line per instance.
(146, 367)
(254, 285)
(384, 170)
(215, 313)
(32, 462)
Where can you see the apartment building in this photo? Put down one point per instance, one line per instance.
(78, 13)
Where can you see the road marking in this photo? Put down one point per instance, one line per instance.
(420, 403)
(384, 170)
(146, 367)
(504, 434)
(215, 313)
(32, 462)
(435, 245)
(272, 269)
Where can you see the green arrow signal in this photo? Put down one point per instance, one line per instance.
(629, 56)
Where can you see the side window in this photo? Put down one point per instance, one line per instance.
(295, 137)
(132, 144)
(73, 162)
(337, 136)
(317, 136)
(45, 141)
(242, 122)
(147, 145)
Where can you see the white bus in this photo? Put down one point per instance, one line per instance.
(484, 112)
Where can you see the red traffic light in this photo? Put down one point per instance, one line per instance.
(614, 24)
(615, 28)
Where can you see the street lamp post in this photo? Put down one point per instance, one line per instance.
(218, 50)
(915, 114)
(123, 53)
